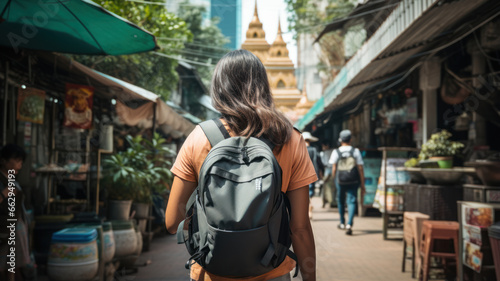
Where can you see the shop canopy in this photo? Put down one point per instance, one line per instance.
(70, 26)
(148, 105)
(409, 34)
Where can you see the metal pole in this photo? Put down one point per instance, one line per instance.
(384, 184)
(5, 94)
(154, 120)
(98, 181)
(150, 211)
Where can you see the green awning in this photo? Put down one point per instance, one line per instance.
(70, 26)
(316, 109)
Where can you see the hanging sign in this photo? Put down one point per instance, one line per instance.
(30, 105)
(78, 106)
(412, 109)
(27, 134)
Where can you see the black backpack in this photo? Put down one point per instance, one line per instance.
(347, 169)
(237, 219)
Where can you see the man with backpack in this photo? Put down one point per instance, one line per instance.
(347, 171)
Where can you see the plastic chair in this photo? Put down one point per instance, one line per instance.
(437, 230)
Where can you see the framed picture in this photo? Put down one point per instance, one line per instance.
(78, 106)
(31, 105)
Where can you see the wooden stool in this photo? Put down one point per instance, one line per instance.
(437, 230)
(412, 229)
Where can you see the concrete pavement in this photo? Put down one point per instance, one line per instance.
(362, 256)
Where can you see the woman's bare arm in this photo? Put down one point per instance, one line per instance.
(176, 207)
(302, 235)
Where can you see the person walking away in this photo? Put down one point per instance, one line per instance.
(240, 92)
(316, 160)
(328, 193)
(347, 170)
(11, 194)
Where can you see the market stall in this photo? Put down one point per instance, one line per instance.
(438, 184)
(65, 115)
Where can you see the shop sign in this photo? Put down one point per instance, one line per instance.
(412, 107)
(30, 105)
(78, 106)
(475, 216)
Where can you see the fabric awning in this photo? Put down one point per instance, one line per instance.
(166, 118)
(115, 88)
(124, 92)
(76, 27)
(316, 109)
(206, 101)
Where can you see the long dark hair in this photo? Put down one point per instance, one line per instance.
(240, 92)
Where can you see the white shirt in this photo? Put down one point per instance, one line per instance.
(335, 155)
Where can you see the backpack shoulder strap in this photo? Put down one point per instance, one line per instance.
(352, 151)
(268, 142)
(339, 153)
(215, 131)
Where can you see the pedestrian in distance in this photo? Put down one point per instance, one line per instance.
(202, 176)
(347, 170)
(328, 193)
(316, 160)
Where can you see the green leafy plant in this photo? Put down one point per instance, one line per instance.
(147, 70)
(138, 172)
(440, 145)
(412, 162)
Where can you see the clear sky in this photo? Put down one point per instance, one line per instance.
(268, 15)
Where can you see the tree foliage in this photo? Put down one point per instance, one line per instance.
(309, 18)
(208, 41)
(147, 70)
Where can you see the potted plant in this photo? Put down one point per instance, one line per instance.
(138, 173)
(120, 180)
(441, 149)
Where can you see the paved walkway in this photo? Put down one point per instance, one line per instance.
(362, 256)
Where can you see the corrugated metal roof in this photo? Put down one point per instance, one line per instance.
(423, 34)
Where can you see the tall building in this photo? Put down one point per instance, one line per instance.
(229, 14)
(279, 66)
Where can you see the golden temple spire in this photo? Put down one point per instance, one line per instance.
(255, 13)
(279, 38)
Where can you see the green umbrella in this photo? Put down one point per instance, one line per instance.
(69, 26)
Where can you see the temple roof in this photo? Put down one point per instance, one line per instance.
(278, 53)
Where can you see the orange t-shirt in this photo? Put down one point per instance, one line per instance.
(297, 171)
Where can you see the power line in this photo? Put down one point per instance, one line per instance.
(197, 53)
(181, 4)
(148, 2)
(343, 19)
(193, 44)
(182, 59)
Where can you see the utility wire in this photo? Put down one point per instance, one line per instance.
(342, 19)
(193, 44)
(197, 53)
(182, 4)
(148, 2)
(182, 59)
(482, 50)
